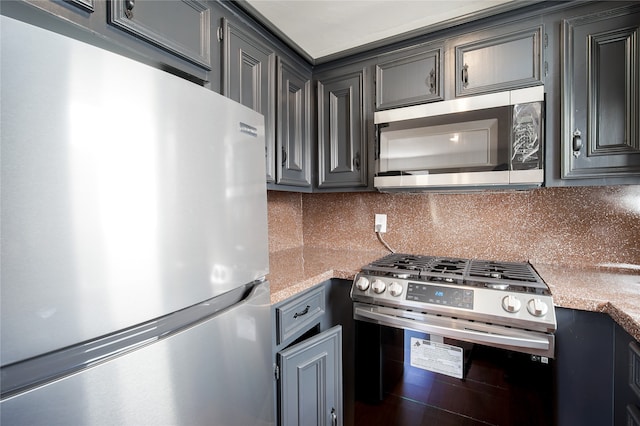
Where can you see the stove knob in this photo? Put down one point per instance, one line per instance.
(378, 286)
(511, 303)
(395, 289)
(537, 308)
(362, 284)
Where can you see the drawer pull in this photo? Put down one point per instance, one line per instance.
(299, 314)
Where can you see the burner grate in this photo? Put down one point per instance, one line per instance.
(517, 276)
(502, 271)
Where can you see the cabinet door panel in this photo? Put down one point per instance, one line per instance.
(499, 63)
(310, 389)
(188, 36)
(341, 131)
(249, 78)
(601, 109)
(409, 78)
(294, 130)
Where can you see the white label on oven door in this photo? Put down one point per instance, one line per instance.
(437, 357)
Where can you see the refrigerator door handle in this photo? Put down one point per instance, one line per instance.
(22, 376)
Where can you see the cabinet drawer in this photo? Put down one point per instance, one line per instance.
(296, 316)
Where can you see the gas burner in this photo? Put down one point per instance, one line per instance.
(497, 286)
(441, 279)
(452, 266)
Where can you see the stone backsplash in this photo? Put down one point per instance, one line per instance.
(570, 225)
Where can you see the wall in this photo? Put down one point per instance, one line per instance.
(571, 225)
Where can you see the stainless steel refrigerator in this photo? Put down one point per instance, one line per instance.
(133, 243)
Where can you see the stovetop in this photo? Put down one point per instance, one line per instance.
(497, 275)
(507, 293)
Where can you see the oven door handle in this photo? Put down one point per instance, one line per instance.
(458, 329)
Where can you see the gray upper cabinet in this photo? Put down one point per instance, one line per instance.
(310, 386)
(498, 60)
(342, 129)
(293, 146)
(249, 71)
(600, 85)
(187, 36)
(409, 77)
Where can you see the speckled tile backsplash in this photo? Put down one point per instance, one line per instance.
(285, 220)
(576, 225)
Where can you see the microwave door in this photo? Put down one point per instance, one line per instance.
(450, 147)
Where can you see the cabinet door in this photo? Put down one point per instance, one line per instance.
(600, 110)
(409, 78)
(293, 148)
(188, 35)
(310, 387)
(342, 140)
(249, 78)
(500, 62)
(584, 368)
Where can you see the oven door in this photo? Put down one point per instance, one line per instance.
(513, 339)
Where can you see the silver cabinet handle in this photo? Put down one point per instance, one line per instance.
(356, 161)
(334, 417)
(432, 81)
(465, 75)
(577, 142)
(284, 156)
(129, 5)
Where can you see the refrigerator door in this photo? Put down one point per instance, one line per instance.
(127, 193)
(216, 372)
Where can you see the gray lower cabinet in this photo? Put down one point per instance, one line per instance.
(498, 59)
(409, 77)
(294, 130)
(308, 357)
(342, 130)
(597, 370)
(600, 136)
(249, 77)
(626, 401)
(310, 391)
(188, 36)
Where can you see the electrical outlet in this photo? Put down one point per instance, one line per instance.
(381, 223)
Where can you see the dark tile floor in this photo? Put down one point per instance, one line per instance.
(498, 390)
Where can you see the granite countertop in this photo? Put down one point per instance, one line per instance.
(612, 290)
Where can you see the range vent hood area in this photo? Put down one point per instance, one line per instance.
(485, 142)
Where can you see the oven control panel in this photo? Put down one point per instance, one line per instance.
(439, 295)
(525, 310)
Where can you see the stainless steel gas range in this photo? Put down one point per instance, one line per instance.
(500, 304)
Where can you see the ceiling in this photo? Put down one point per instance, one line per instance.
(323, 29)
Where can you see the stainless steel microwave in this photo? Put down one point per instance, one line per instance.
(493, 140)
